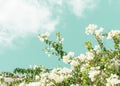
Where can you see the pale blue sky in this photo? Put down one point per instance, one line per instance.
(19, 45)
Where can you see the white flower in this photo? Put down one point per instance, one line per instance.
(90, 29)
(61, 70)
(90, 56)
(37, 77)
(58, 78)
(71, 54)
(43, 68)
(66, 59)
(112, 80)
(74, 63)
(98, 33)
(82, 57)
(50, 84)
(41, 39)
(66, 71)
(85, 58)
(112, 33)
(97, 47)
(93, 72)
(35, 66)
(43, 79)
(43, 75)
(83, 67)
(60, 74)
(116, 63)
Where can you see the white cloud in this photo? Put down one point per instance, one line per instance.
(79, 6)
(21, 18)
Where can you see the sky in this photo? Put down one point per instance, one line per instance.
(22, 20)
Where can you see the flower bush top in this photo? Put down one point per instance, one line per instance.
(99, 66)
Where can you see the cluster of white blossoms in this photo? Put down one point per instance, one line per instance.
(84, 67)
(116, 62)
(97, 48)
(57, 75)
(33, 66)
(67, 58)
(42, 80)
(94, 71)
(74, 62)
(98, 33)
(92, 29)
(112, 80)
(8, 80)
(60, 74)
(113, 33)
(97, 67)
(87, 57)
(43, 37)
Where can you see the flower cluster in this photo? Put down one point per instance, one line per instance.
(53, 47)
(113, 33)
(67, 58)
(99, 66)
(112, 80)
(94, 71)
(43, 37)
(92, 29)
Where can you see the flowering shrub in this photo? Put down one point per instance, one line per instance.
(99, 66)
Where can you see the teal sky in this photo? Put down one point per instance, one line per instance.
(24, 48)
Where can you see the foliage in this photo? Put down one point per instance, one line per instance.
(99, 66)
(53, 47)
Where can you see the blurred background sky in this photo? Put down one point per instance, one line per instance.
(22, 20)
